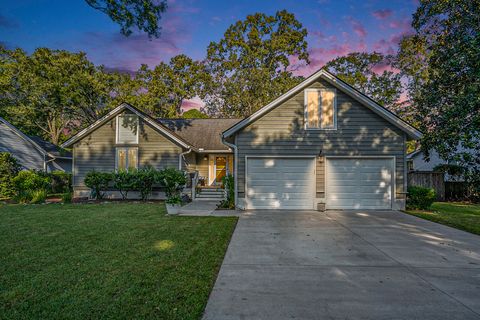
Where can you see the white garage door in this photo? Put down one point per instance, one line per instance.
(280, 183)
(359, 183)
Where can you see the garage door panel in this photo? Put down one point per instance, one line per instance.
(359, 183)
(294, 196)
(288, 183)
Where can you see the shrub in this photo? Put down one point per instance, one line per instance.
(173, 180)
(61, 182)
(38, 196)
(229, 201)
(23, 196)
(145, 178)
(98, 182)
(67, 197)
(31, 180)
(174, 199)
(420, 197)
(9, 168)
(125, 181)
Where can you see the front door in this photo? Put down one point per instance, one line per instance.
(220, 169)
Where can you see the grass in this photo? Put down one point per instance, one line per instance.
(462, 216)
(109, 261)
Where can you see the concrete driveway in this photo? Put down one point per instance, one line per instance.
(346, 265)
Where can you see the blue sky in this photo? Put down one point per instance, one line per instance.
(335, 28)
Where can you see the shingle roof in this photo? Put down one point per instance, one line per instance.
(50, 148)
(201, 133)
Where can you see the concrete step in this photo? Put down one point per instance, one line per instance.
(211, 190)
(213, 195)
(208, 199)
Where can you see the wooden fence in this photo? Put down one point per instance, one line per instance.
(428, 179)
(456, 190)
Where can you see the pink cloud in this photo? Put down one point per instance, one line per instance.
(358, 27)
(194, 103)
(382, 14)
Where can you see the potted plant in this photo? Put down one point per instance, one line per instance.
(173, 180)
(173, 204)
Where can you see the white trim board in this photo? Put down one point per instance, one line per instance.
(339, 84)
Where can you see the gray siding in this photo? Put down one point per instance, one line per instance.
(360, 132)
(96, 151)
(27, 155)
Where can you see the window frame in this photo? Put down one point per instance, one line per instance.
(305, 109)
(117, 129)
(127, 157)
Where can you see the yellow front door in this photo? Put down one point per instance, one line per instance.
(220, 169)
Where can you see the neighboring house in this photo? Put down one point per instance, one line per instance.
(33, 153)
(417, 162)
(322, 144)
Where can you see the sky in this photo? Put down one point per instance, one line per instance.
(335, 28)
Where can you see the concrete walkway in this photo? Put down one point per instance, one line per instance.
(206, 208)
(346, 265)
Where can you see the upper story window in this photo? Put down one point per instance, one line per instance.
(127, 129)
(320, 109)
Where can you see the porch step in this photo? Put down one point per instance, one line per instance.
(210, 194)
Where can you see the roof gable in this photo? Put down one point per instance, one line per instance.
(340, 85)
(125, 106)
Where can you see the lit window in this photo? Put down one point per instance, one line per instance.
(320, 108)
(126, 158)
(127, 129)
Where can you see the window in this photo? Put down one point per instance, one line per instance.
(127, 129)
(126, 158)
(320, 109)
(410, 165)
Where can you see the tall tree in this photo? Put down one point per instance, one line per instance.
(249, 66)
(50, 92)
(443, 62)
(143, 15)
(358, 70)
(162, 90)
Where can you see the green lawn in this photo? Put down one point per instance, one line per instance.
(109, 261)
(458, 215)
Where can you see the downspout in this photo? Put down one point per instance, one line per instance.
(181, 157)
(235, 166)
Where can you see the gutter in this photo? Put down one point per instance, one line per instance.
(235, 166)
(182, 157)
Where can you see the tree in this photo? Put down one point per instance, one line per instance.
(9, 168)
(161, 91)
(358, 70)
(51, 92)
(443, 62)
(249, 66)
(194, 114)
(141, 14)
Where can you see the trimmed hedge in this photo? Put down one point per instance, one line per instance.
(141, 180)
(420, 197)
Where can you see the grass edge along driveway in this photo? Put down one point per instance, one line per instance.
(109, 261)
(463, 216)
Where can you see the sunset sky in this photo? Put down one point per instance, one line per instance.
(334, 27)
